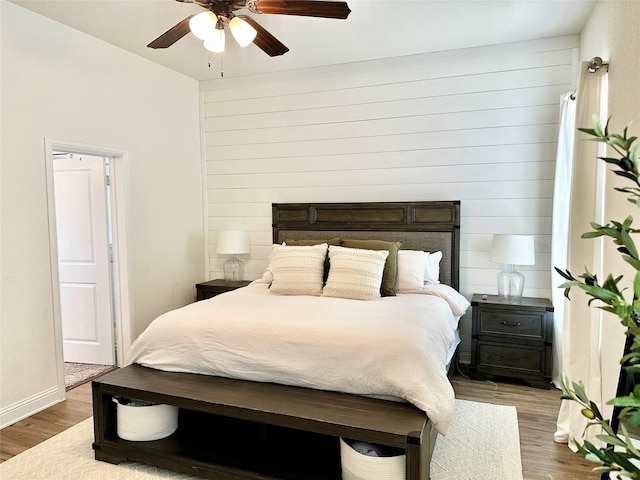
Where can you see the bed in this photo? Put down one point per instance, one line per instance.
(390, 353)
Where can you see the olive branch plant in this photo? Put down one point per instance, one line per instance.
(619, 455)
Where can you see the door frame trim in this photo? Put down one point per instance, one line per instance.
(119, 194)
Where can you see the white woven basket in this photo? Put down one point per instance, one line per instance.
(146, 422)
(356, 466)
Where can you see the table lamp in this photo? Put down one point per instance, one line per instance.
(233, 243)
(512, 250)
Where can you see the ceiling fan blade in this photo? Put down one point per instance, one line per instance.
(264, 40)
(172, 35)
(305, 8)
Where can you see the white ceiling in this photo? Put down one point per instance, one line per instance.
(375, 29)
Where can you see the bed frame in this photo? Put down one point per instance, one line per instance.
(428, 226)
(235, 429)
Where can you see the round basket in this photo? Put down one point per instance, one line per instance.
(145, 422)
(356, 466)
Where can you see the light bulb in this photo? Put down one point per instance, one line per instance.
(203, 24)
(215, 42)
(242, 31)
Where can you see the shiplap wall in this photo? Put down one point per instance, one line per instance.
(477, 125)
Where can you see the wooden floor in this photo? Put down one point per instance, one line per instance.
(537, 411)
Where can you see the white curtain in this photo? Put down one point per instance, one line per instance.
(560, 219)
(581, 198)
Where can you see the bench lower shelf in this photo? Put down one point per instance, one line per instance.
(233, 429)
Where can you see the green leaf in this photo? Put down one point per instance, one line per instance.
(635, 263)
(634, 420)
(629, 443)
(628, 175)
(628, 242)
(566, 275)
(633, 152)
(588, 131)
(594, 408)
(580, 392)
(606, 125)
(597, 126)
(625, 402)
(609, 440)
(614, 161)
(600, 293)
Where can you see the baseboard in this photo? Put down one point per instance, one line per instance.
(30, 405)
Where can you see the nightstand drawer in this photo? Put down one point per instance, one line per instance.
(512, 357)
(495, 322)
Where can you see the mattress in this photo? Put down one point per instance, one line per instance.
(396, 346)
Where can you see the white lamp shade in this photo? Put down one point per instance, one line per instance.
(203, 24)
(215, 42)
(233, 243)
(513, 250)
(242, 31)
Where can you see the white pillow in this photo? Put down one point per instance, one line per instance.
(298, 270)
(355, 273)
(412, 266)
(432, 272)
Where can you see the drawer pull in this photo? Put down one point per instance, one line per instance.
(515, 359)
(507, 324)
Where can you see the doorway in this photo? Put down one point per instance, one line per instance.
(87, 255)
(83, 234)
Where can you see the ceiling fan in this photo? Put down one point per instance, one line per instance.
(209, 26)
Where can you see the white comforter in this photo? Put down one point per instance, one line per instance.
(395, 346)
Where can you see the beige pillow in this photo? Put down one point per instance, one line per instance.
(355, 273)
(298, 270)
(391, 265)
(331, 241)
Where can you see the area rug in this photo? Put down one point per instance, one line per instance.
(482, 443)
(78, 373)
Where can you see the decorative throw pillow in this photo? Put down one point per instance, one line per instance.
(355, 273)
(432, 272)
(412, 265)
(331, 241)
(391, 265)
(298, 270)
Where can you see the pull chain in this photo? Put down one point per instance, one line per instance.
(221, 69)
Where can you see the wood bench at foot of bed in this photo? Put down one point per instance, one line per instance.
(235, 429)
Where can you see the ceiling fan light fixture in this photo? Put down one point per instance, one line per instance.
(203, 24)
(242, 31)
(215, 42)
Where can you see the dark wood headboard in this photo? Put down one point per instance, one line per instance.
(428, 226)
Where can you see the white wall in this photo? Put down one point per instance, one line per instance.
(477, 125)
(612, 33)
(59, 83)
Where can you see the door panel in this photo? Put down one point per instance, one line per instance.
(83, 259)
(80, 319)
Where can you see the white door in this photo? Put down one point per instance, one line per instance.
(83, 259)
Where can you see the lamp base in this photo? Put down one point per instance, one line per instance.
(510, 284)
(233, 269)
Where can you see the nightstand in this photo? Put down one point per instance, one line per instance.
(215, 287)
(512, 339)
